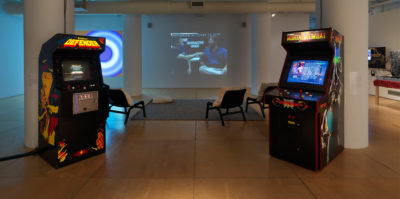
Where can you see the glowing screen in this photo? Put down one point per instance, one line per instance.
(308, 72)
(199, 53)
(75, 70)
(111, 59)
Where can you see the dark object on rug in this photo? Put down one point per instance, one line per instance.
(188, 110)
(231, 99)
(119, 98)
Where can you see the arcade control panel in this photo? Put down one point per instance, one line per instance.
(295, 94)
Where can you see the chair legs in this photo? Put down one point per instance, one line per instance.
(220, 116)
(247, 104)
(127, 110)
(209, 104)
(127, 114)
(241, 110)
(262, 109)
(144, 109)
(141, 106)
(255, 101)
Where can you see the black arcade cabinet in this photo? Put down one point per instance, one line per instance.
(73, 102)
(306, 110)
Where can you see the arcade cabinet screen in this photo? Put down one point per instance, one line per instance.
(308, 72)
(75, 70)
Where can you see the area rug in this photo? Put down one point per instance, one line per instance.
(190, 110)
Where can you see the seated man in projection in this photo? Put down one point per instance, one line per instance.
(183, 54)
(214, 58)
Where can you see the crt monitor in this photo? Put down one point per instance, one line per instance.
(76, 70)
(307, 72)
(377, 57)
(369, 54)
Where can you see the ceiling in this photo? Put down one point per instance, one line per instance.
(378, 6)
(375, 6)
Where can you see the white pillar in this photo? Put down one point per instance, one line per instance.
(318, 14)
(261, 34)
(70, 17)
(132, 73)
(42, 20)
(351, 19)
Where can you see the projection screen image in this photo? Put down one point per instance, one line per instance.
(111, 58)
(202, 53)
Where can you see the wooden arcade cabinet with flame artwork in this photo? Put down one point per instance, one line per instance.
(73, 100)
(307, 109)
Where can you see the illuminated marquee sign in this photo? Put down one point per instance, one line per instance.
(81, 43)
(306, 36)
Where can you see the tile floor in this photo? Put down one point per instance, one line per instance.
(200, 159)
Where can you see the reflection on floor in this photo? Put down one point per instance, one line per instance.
(200, 159)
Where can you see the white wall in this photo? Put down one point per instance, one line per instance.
(11, 55)
(283, 23)
(102, 22)
(157, 61)
(384, 30)
(156, 44)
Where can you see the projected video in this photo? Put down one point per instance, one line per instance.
(202, 53)
(308, 72)
(111, 58)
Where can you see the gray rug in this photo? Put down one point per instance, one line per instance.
(190, 110)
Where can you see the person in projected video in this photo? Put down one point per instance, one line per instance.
(182, 53)
(214, 58)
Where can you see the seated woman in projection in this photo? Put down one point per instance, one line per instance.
(182, 53)
(214, 58)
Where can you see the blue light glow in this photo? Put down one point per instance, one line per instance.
(111, 58)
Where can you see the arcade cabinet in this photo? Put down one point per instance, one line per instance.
(73, 100)
(306, 114)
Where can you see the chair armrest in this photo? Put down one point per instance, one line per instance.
(269, 88)
(251, 98)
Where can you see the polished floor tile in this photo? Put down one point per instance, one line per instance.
(150, 159)
(137, 188)
(354, 187)
(167, 130)
(200, 159)
(351, 164)
(34, 166)
(165, 123)
(161, 133)
(251, 188)
(246, 131)
(40, 187)
(243, 159)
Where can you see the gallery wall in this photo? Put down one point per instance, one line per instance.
(102, 22)
(160, 69)
(283, 23)
(236, 30)
(11, 55)
(384, 30)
